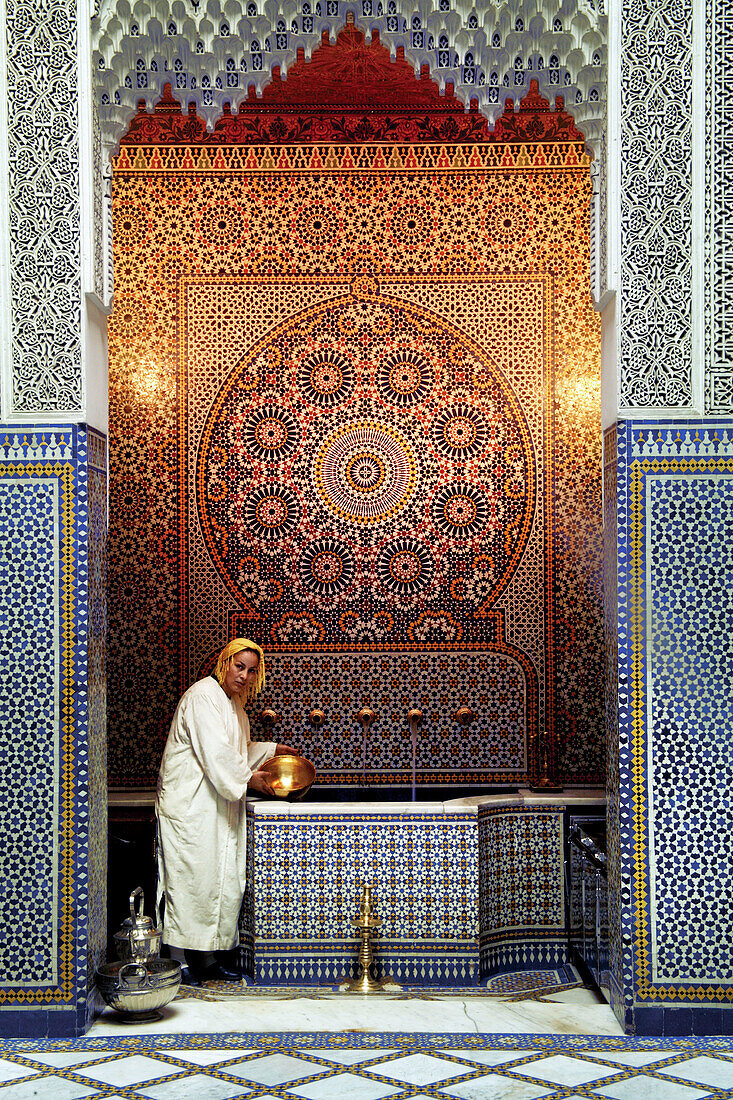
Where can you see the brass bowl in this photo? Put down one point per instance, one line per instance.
(289, 776)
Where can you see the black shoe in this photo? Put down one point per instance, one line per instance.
(214, 971)
(230, 963)
(189, 978)
(226, 974)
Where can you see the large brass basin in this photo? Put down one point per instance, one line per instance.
(289, 776)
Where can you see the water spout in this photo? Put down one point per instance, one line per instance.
(414, 719)
(269, 718)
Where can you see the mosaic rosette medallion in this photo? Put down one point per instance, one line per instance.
(369, 475)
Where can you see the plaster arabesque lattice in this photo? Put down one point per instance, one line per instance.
(718, 231)
(43, 208)
(656, 351)
(213, 54)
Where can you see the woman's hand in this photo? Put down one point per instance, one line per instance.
(286, 750)
(258, 781)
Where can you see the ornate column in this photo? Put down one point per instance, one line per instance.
(669, 516)
(52, 524)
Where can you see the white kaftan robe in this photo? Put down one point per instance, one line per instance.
(207, 763)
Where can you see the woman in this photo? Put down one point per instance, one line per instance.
(208, 765)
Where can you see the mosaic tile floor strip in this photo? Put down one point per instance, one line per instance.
(522, 985)
(373, 1066)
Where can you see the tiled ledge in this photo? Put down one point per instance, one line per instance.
(139, 799)
(470, 805)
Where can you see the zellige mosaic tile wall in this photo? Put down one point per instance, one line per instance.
(366, 390)
(52, 723)
(673, 862)
(458, 894)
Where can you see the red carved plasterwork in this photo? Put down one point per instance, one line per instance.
(534, 121)
(352, 91)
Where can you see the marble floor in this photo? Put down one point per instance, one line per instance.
(338, 1065)
(534, 1036)
(574, 1011)
(422, 1045)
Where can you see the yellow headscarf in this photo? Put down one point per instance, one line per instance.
(227, 655)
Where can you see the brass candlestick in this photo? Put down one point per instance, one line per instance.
(366, 922)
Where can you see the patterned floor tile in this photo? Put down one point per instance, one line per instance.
(129, 1071)
(347, 1066)
(50, 1088)
(704, 1070)
(651, 1088)
(344, 1085)
(274, 1069)
(208, 1057)
(350, 1057)
(636, 1057)
(497, 1088)
(196, 1087)
(62, 1059)
(421, 1069)
(489, 1057)
(561, 1070)
(9, 1071)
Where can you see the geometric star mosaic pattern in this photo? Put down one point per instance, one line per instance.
(386, 520)
(29, 581)
(457, 894)
(371, 466)
(52, 723)
(692, 605)
(323, 1065)
(355, 409)
(674, 713)
(492, 684)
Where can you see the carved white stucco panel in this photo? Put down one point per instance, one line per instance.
(44, 373)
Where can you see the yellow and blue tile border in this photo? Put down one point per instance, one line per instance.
(52, 478)
(670, 780)
(288, 1041)
(399, 1064)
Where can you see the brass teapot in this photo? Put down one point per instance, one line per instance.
(138, 940)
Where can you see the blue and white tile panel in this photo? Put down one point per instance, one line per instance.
(445, 883)
(675, 766)
(51, 914)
